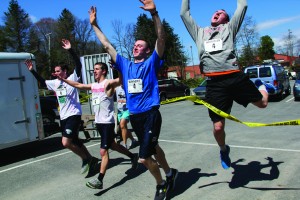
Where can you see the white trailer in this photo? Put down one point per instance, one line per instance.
(20, 112)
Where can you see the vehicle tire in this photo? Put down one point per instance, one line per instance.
(48, 118)
(187, 92)
(163, 97)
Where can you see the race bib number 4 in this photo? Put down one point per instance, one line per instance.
(135, 85)
(213, 45)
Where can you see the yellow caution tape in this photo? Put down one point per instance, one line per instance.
(228, 116)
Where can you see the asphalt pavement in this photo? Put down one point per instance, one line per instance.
(265, 160)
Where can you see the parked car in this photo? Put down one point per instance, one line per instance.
(50, 113)
(296, 87)
(200, 91)
(273, 74)
(170, 88)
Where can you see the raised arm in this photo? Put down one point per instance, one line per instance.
(111, 86)
(74, 83)
(40, 79)
(187, 19)
(103, 39)
(159, 29)
(67, 45)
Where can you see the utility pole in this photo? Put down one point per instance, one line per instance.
(193, 60)
(49, 50)
(290, 46)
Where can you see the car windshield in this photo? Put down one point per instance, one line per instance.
(298, 75)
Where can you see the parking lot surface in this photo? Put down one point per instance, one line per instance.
(265, 160)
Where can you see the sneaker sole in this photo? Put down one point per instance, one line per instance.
(93, 187)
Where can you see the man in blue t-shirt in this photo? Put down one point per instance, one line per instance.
(142, 96)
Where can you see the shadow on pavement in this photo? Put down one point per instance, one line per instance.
(30, 150)
(244, 174)
(131, 174)
(186, 179)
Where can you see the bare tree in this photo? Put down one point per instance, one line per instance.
(83, 32)
(44, 27)
(123, 38)
(290, 43)
(248, 34)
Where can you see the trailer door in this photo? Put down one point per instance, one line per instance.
(13, 121)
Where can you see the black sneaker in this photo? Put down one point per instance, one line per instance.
(134, 161)
(161, 191)
(225, 160)
(171, 180)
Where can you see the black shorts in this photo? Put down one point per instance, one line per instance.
(70, 126)
(147, 126)
(222, 91)
(107, 133)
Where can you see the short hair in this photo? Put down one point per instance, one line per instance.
(63, 66)
(146, 41)
(103, 66)
(227, 16)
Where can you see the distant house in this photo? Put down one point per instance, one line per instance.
(285, 60)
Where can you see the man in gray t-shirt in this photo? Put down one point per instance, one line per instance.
(218, 62)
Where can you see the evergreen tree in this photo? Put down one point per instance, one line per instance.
(265, 50)
(2, 39)
(65, 29)
(16, 29)
(174, 54)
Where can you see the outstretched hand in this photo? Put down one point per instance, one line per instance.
(29, 64)
(66, 44)
(148, 5)
(93, 15)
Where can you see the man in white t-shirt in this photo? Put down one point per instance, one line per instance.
(103, 104)
(69, 104)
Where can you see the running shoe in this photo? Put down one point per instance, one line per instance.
(95, 184)
(269, 87)
(161, 191)
(225, 160)
(88, 164)
(172, 179)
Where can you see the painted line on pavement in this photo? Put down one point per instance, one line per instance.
(167, 141)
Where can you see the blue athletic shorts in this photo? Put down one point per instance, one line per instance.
(107, 133)
(147, 126)
(222, 91)
(70, 126)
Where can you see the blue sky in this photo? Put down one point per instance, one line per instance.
(273, 17)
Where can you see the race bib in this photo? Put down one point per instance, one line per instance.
(95, 101)
(135, 86)
(213, 45)
(62, 95)
(61, 92)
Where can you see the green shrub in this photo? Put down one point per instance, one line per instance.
(192, 82)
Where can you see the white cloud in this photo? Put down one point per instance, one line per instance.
(277, 22)
(33, 18)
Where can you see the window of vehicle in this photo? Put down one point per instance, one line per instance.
(264, 72)
(252, 73)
